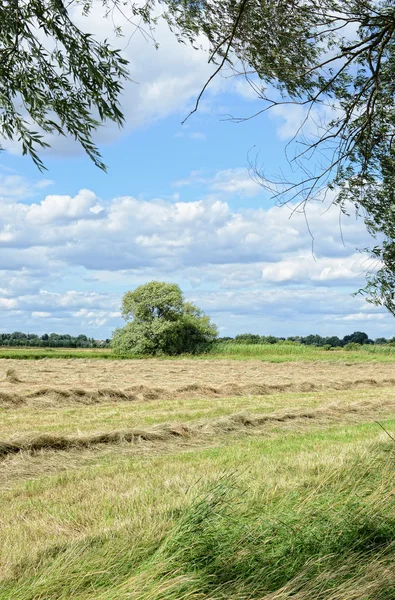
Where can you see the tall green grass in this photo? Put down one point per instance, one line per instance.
(267, 352)
(295, 352)
(262, 350)
(333, 539)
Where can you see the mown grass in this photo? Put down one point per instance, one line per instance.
(292, 499)
(265, 352)
(300, 508)
(109, 416)
(297, 515)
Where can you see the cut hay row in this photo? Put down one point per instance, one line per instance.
(162, 433)
(58, 396)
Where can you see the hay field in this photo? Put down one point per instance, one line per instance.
(77, 380)
(196, 479)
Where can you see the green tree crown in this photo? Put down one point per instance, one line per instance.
(160, 321)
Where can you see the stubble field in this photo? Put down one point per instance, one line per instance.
(199, 479)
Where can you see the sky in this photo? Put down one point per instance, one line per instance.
(177, 204)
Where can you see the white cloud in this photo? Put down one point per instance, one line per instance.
(362, 316)
(257, 261)
(63, 208)
(301, 268)
(127, 234)
(269, 311)
(17, 187)
(302, 121)
(8, 303)
(198, 135)
(292, 118)
(293, 312)
(235, 182)
(193, 135)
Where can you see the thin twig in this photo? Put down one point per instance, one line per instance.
(223, 61)
(387, 432)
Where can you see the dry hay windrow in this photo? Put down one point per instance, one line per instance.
(58, 397)
(11, 376)
(240, 422)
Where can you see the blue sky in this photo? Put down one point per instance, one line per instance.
(177, 204)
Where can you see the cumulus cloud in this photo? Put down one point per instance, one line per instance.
(301, 268)
(362, 316)
(235, 181)
(64, 208)
(127, 233)
(258, 262)
(72, 311)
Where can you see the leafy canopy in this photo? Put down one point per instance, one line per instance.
(54, 77)
(161, 322)
(154, 300)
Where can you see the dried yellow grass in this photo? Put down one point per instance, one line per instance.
(11, 376)
(192, 376)
(228, 381)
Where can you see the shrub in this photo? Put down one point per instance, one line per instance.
(352, 346)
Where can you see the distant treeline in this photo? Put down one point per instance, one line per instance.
(51, 340)
(358, 337)
(64, 340)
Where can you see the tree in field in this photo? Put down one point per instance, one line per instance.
(358, 337)
(161, 322)
(333, 58)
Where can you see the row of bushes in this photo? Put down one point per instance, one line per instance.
(55, 340)
(358, 337)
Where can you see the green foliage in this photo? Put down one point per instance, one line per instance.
(154, 300)
(163, 323)
(52, 340)
(269, 339)
(55, 77)
(359, 337)
(248, 338)
(352, 346)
